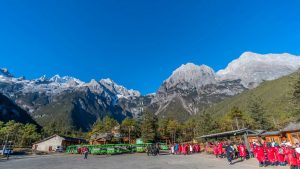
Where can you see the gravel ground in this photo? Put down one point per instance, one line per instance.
(126, 161)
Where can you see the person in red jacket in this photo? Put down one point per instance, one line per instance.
(215, 150)
(179, 149)
(260, 155)
(183, 149)
(292, 157)
(271, 155)
(220, 150)
(242, 151)
(187, 149)
(279, 155)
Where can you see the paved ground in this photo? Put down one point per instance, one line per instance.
(126, 161)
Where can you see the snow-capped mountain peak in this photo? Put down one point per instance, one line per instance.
(194, 75)
(119, 90)
(67, 80)
(56, 78)
(41, 79)
(253, 68)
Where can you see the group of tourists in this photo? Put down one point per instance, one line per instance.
(184, 149)
(229, 150)
(275, 154)
(267, 154)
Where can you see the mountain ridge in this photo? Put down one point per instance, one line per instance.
(188, 90)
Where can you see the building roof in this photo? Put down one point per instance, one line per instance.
(230, 133)
(64, 137)
(292, 127)
(97, 136)
(270, 133)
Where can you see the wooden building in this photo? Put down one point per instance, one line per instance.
(268, 136)
(56, 142)
(101, 138)
(292, 132)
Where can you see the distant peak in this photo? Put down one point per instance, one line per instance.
(44, 77)
(107, 80)
(194, 75)
(252, 67)
(192, 66)
(5, 72)
(253, 55)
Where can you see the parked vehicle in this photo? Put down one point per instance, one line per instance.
(59, 149)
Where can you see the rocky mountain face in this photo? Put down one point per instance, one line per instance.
(70, 102)
(192, 88)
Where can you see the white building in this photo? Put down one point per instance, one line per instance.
(56, 142)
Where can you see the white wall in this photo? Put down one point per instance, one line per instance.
(54, 142)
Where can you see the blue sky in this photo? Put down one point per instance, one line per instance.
(139, 43)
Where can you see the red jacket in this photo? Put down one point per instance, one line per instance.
(260, 154)
(292, 157)
(183, 149)
(279, 154)
(199, 148)
(286, 153)
(298, 159)
(220, 148)
(242, 150)
(179, 148)
(215, 149)
(271, 154)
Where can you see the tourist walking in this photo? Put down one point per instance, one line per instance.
(220, 150)
(242, 151)
(86, 152)
(229, 153)
(215, 150)
(260, 155)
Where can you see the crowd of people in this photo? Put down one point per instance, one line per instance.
(267, 154)
(184, 149)
(275, 154)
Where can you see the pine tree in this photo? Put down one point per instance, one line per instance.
(162, 127)
(258, 114)
(128, 127)
(206, 124)
(189, 128)
(173, 129)
(239, 119)
(149, 127)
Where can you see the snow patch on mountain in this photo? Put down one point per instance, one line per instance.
(119, 90)
(253, 68)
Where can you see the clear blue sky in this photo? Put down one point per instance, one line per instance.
(139, 43)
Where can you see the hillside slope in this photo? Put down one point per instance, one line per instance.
(10, 111)
(276, 96)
